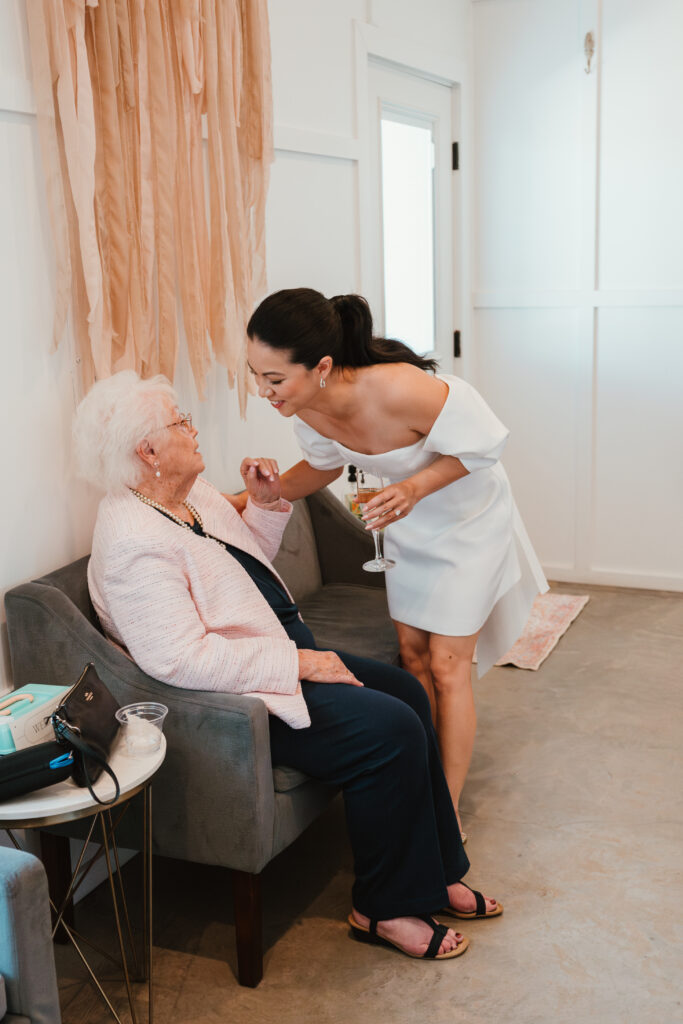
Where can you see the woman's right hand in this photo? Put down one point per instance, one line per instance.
(324, 667)
(262, 481)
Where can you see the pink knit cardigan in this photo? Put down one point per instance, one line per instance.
(185, 610)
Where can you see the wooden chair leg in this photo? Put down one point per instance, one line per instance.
(246, 889)
(55, 853)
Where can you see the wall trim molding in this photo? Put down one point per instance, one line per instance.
(579, 298)
(288, 139)
(613, 578)
(422, 60)
(16, 95)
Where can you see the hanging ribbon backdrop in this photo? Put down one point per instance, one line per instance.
(148, 218)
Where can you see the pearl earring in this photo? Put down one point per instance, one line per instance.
(323, 382)
(158, 471)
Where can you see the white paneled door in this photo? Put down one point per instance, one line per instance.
(578, 276)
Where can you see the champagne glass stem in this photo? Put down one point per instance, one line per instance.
(368, 486)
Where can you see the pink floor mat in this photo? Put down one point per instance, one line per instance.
(551, 616)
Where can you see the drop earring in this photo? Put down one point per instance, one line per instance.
(158, 471)
(323, 382)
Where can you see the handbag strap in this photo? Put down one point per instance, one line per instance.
(86, 750)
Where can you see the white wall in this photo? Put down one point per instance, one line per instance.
(46, 516)
(314, 239)
(578, 276)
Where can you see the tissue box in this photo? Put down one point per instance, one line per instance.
(27, 721)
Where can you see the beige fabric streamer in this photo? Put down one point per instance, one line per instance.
(125, 92)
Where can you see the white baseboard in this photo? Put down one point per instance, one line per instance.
(610, 578)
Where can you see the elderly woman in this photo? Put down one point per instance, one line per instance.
(186, 586)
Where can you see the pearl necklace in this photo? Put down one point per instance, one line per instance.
(176, 519)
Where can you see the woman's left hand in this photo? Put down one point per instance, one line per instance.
(262, 481)
(391, 504)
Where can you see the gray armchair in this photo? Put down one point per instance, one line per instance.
(28, 984)
(217, 798)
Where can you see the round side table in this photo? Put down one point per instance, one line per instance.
(63, 802)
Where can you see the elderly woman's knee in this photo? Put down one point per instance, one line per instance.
(400, 729)
(417, 698)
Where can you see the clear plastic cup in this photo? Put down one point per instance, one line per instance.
(142, 726)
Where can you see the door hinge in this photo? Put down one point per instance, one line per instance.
(456, 344)
(456, 157)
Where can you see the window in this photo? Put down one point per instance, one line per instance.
(407, 153)
(408, 244)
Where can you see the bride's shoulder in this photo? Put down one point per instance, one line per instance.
(405, 388)
(402, 377)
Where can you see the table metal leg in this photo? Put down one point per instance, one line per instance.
(122, 894)
(55, 854)
(145, 896)
(108, 827)
(72, 884)
(70, 934)
(148, 902)
(112, 886)
(90, 971)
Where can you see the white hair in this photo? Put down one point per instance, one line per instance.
(111, 421)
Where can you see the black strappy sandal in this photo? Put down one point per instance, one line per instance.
(370, 935)
(471, 915)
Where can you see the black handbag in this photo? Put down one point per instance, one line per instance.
(34, 767)
(85, 724)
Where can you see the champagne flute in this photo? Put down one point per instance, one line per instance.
(368, 485)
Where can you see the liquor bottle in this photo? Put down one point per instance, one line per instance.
(352, 493)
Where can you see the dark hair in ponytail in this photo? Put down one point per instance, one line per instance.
(309, 326)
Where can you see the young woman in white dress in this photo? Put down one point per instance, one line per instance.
(465, 571)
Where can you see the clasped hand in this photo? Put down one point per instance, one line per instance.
(262, 481)
(324, 667)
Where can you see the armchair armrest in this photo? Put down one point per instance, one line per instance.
(217, 769)
(26, 952)
(343, 543)
(213, 795)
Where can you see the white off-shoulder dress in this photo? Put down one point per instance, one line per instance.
(464, 561)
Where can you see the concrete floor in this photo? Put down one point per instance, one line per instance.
(574, 810)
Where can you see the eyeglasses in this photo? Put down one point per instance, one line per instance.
(185, 422)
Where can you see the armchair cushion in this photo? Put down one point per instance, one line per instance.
(352, 618)
(297, 559)
(285, 778)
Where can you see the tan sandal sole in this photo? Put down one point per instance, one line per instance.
(472, 915)
(363, 935)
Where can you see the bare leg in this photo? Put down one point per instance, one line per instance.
(415, 658)
(456, 723)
